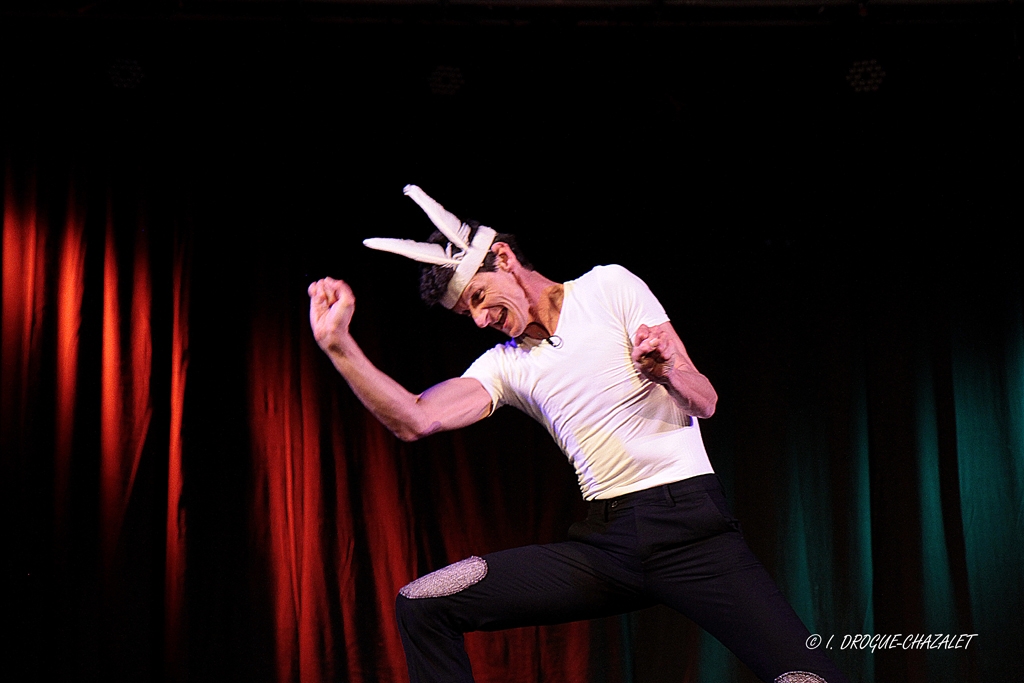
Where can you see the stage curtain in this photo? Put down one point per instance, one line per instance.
(893, 480)
(95, 347)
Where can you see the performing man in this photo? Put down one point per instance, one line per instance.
(597, 362)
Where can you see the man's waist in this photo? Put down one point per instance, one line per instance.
(662, 493)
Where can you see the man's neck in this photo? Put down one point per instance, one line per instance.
(545, 298)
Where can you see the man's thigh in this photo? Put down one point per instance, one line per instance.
(720, 584)
(539, 584)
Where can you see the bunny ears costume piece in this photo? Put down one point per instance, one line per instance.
(467, 258)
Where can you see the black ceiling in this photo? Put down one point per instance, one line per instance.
(526, 12)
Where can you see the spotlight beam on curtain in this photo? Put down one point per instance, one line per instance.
(126, 405)
(175, 558)
(70, 291)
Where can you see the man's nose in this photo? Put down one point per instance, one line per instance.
(480, 318)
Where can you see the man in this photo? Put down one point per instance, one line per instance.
(598, 363)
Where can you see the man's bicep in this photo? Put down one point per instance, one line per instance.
(455, 403)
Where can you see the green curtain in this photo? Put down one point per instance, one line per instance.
(903, 470)
(988, 389)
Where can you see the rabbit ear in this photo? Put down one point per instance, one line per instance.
(447, 222)
(423, 252)
(466, 261)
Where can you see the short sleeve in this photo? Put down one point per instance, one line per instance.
(487, 370)
(632, 298)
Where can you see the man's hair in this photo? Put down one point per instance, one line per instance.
(434, 279)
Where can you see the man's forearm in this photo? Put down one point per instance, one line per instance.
(691, 391)
(451, 404)
(392, 404)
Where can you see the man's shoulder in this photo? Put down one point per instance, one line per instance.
(607, 273)
(610, 275)
(615, 287)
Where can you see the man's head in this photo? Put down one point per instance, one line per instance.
(434, 279)
(458, 254)
(500, 297)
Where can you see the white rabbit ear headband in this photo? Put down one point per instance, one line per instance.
(466, 260)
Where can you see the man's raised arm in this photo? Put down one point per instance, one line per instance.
(449, 405)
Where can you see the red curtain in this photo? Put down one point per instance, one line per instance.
(97, 307)
(126, 403)
(174, 578)
(81, 417)
(71, 285)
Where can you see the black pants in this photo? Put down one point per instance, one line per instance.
(676, 545)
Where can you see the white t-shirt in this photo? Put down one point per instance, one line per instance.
(620, 431)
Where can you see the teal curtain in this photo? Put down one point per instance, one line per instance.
(988, 389)
(902, 500)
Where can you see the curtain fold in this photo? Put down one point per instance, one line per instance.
(126, 404)
(988, 390)
(70, 293)
(175, 562)
(24, 244)
(304, 504)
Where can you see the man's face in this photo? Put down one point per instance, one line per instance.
(496, 300)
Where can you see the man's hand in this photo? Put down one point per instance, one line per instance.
(331, 305)
(654, 353)
(659, 355)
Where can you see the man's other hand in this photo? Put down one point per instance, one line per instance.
(653, 353)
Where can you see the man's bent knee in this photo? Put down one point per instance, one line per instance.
(415, 611)
(800, 677)
(448, 580)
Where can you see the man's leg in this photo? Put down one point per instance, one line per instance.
(719, 583)
(533, 585)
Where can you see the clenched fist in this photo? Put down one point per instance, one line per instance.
(655, 354)
(331, 305)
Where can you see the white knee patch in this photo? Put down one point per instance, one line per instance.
(447, 580)
(800, 677)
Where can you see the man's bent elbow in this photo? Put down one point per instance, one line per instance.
(705, 408)
(707, 411)
(410, 433)
(406, 435)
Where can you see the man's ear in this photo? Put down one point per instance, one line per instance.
(504, 258)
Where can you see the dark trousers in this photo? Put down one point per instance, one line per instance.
(676, 545)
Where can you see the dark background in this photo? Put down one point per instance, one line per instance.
(817, 237)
